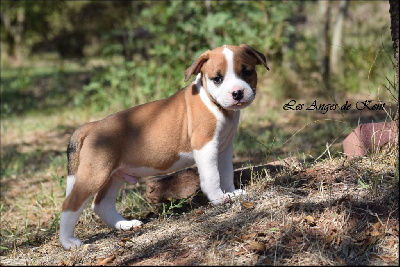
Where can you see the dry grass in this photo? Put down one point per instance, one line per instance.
(315, 215)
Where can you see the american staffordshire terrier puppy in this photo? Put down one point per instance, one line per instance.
(195, 125)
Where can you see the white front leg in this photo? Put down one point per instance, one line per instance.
(225, 168)
(207, 164)
(226, 173)
(207, 161)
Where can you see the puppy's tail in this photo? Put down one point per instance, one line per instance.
(74, 148)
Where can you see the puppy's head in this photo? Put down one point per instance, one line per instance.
(228, 74)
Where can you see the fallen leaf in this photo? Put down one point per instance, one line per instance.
(185, 239)
(259, 246)
(376, 233)
(309, 219)
(342, 262)
(377, 225)
(241, 252)
(254, 259)
(199, 211)
(248, 236)
(338, 240)
(105, 260)
(68, 262)
(248, 205)
(389, 258)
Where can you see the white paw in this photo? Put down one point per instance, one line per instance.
(226, 197)
(232, 195)
(128, 225)
(71, 242)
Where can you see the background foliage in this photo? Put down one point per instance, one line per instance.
(147, 45)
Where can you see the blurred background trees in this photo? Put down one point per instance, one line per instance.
(149, 44)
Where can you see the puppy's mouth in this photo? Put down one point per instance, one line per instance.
(243, 102)
(239, 105)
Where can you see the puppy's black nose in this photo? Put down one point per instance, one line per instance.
(237, 95)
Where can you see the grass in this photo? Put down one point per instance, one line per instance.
(39, 113)
(294, 217)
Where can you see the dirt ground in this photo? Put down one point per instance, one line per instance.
(334, 212)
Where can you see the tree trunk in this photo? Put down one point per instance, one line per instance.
(324, 13)
(337, 39)
(394, 26)
(18, 35)
(14, 32)
(295, 18)
(394, 21)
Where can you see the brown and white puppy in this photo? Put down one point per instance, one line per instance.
(195, 125)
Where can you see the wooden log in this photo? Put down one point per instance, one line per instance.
(185, 183)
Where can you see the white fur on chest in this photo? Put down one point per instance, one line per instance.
(226, 127)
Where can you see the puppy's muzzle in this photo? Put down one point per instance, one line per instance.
(237, 95)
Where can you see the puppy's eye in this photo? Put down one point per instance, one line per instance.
(247, 73)
(218, 80)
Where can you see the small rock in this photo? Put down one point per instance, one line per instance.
(369, 137)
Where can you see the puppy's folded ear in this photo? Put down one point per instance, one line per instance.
(195, 68)
(260, 57)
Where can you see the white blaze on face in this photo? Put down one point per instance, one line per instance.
(224, 93)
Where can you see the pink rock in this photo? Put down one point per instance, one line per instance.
(369, 137)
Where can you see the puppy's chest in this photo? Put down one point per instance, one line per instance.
(225, 132)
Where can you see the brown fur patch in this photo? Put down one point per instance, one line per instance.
(215, 64)
(103, 191)
(150, 135)
(202, 122)
(243, 60)
(195, 68)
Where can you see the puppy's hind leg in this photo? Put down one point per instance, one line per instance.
(79, 192)
(72, 209)
(104, 206)
(68, 221)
